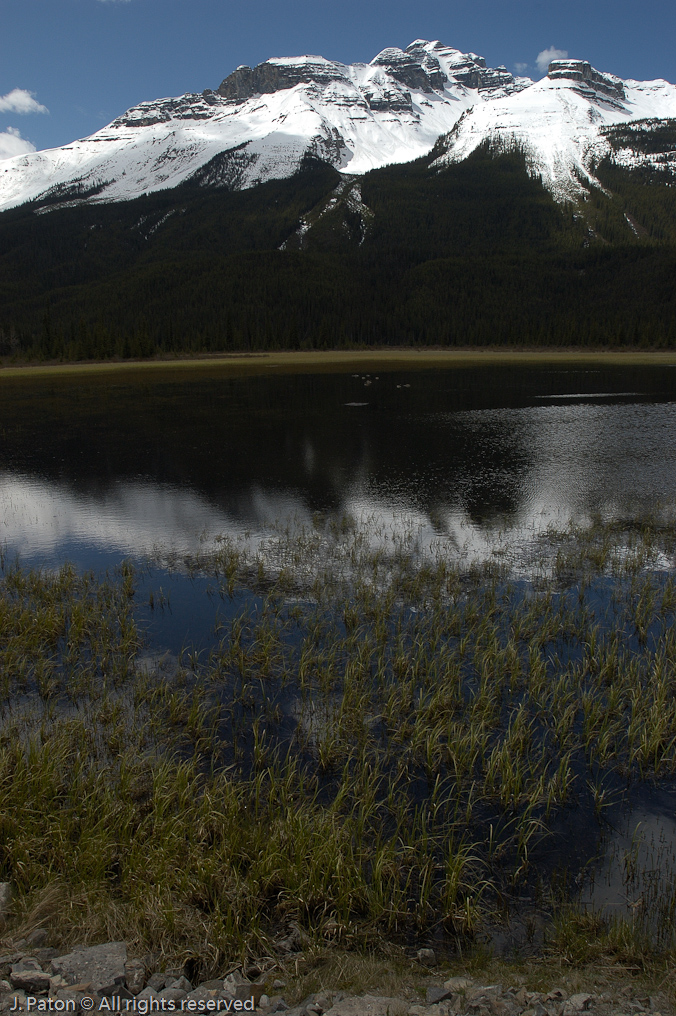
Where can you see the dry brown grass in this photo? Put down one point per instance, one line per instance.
(330, 361)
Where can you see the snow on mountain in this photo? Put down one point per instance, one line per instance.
(559, 123)
(261, 122)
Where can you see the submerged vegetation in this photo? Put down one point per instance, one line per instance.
(379, 745)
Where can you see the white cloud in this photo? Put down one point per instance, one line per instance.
(544, 58)
(21, 101)
(11, 144)
(520, 68)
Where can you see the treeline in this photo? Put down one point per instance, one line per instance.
(312, 301)
(477, 255)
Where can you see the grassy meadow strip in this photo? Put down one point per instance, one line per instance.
(169, 366)
(378, 746)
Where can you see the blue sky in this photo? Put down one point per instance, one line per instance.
(86, 61)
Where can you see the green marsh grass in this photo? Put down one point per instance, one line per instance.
(378, 746)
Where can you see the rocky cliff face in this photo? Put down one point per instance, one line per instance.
(275, 75)
(425, 67)
(590, 79)
(466, 69)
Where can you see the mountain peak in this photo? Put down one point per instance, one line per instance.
(276, 74)
(588, 77)
(423, 66)
(410, 69)
(263, 121)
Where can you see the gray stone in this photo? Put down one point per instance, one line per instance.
(435, 994)
(118, 990)
(369, 1005)
(205, 993)
(28, 977)
(438, 1009)
(181, 982)
(458, 983)
(37, 937)
(537, 1009)
(491, 990)
(308, 1007)
(427, 957)
(172, 994)
(234, 978)
(101, 965)
(45, 956)
(135, 975)
(157, 981)
(576, 1003)
(264, 1002)
(27, 963)
(244, 991)
(56, 981)
(236, 986)
(147, 992)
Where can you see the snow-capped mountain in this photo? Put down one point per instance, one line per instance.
(261, 122)
(561, 124)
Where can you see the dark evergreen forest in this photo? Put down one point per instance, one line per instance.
(478, 254)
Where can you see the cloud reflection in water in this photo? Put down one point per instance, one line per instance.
(476, 480)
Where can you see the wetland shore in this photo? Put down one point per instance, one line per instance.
(315, 361)
(379, 752)
(106, 978)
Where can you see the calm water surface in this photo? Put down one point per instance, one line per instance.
(95, 469)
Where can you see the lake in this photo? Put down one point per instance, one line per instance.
(97, 467)
(476, 462)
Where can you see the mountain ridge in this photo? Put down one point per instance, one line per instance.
(262, 122)
(306, 216)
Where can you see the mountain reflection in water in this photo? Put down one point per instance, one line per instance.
(476, 455)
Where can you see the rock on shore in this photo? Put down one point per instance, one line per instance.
(103, 978)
